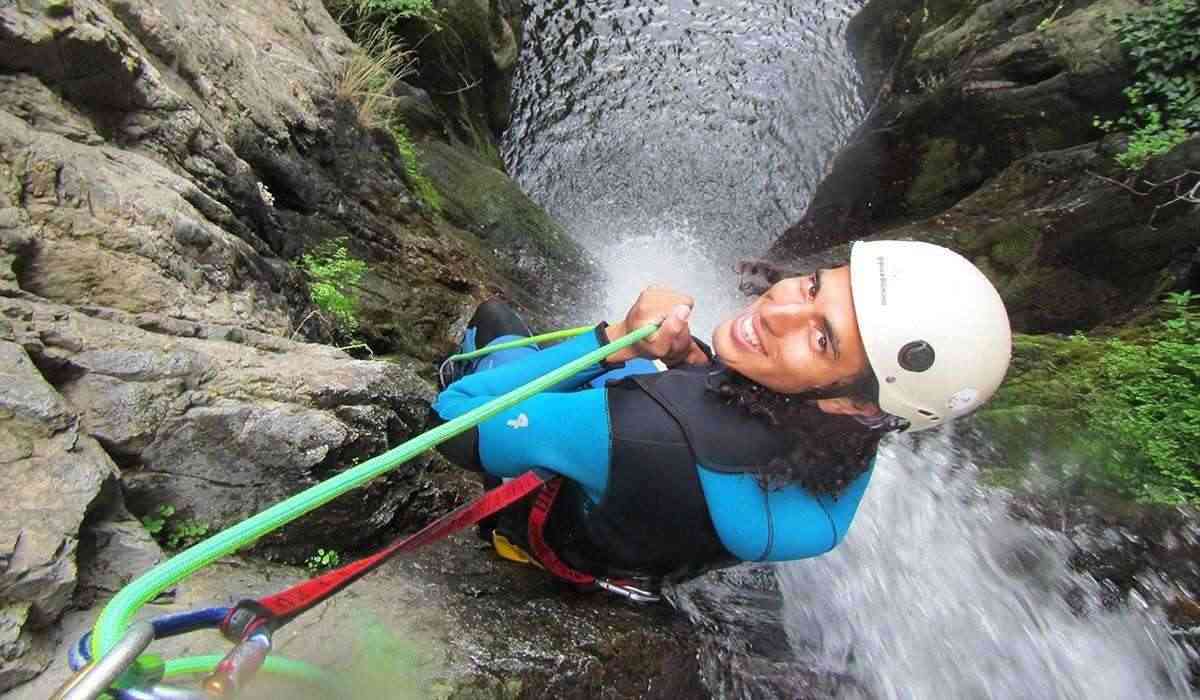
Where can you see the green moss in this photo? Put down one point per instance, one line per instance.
(1038, 374)
(414, 170)
(937, 173)
(1015, 244)
(1121, 409)
(59, 8)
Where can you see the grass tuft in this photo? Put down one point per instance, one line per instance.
(371, 76)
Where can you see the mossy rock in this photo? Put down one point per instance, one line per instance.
(486, 202)
(937, 172)
(468, 55)
(59, 8)
(1034, 421)
(1036, 376)
(1012, 243)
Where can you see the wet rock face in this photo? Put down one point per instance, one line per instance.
(161, 166)
(468, 69)
(1150, 554)
(981, 132)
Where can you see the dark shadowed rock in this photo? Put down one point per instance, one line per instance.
(981, 138)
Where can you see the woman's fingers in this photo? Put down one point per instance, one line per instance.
(695, 355)
(673, 340)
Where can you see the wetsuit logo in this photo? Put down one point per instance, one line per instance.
(521, 421)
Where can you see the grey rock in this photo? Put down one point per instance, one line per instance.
(220, 430)
(140, 365)
(114, 548)
(60, 473)
(24, 653)
(123, 415)
(26, 396)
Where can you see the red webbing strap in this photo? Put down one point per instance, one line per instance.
(537, 537)
(293, 601)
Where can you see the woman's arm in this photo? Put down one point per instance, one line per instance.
(510, 375)
(755, 524)
(563, 430)
(567, 433)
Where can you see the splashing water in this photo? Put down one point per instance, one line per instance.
(672, 138)
(938, 592)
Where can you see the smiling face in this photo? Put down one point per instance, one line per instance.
(802, 334)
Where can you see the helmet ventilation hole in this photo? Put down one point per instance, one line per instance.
(916, 356)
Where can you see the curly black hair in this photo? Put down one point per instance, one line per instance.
(828, 451)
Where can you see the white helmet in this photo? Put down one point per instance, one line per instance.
(935, 329)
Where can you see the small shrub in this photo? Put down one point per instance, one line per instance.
(185, 533)
(332, 274)
(1164, 100)
(157, 522)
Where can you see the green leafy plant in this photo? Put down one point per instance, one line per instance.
(174, 533)
(1164, 100)
(185, 533)
(323, 559)
(383, 11)
(158, 520)
(332, 274)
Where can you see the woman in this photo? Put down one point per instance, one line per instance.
(759, 449)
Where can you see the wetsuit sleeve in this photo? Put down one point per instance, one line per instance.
(756, 524)
(565, 431)
(510, 375)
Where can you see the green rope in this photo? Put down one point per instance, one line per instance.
(119, 611)
(521, 342)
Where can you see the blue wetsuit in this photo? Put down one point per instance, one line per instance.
(629, 442)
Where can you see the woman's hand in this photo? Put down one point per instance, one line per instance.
(672, 343)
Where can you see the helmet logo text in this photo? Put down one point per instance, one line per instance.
(882, 280)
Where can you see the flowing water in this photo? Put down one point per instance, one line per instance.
(672, 138)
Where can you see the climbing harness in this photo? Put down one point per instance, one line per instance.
(108, 660)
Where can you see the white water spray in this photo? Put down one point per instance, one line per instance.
(938, 592)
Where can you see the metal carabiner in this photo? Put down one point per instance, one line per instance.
(239, 665)
(633, 593)
(94, 679)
